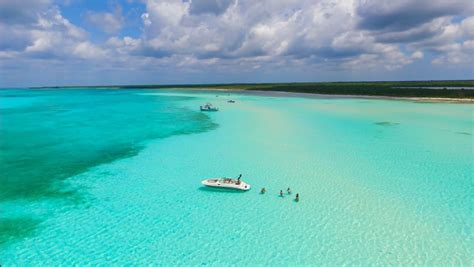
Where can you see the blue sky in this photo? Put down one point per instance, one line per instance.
(89, 42)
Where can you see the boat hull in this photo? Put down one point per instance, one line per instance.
(221, 183)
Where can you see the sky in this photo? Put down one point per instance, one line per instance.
(112, 42)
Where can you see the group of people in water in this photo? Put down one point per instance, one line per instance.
(288, 191)
(264, 190)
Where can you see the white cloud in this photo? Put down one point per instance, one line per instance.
(108, 22)
(467, 27)
(146, 19)
(235, 36)
(46, 34)
(272, 31)
(417, 55)
(406, 14)
(86, 50)
(455, 53)
(278, 34)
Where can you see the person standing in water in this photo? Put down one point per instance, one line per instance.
(297, 198)
(288, 191)
(281, 193)
(263, 191)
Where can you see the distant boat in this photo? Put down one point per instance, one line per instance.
(226, 183)
(231, 101)
(208, 107)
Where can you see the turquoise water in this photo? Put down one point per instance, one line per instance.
(104, 176)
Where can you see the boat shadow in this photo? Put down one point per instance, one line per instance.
(220, 190)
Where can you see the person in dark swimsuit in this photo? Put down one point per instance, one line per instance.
(238, 179)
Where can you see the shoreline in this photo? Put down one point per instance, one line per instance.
(418, 99)
(311, 95)
(280, 93)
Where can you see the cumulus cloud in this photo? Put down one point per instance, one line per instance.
(41, 32)
(215, 7)
(417, 55)
(455, 53)
(264, 32)
(435, 26)
(415, 34)
(21, 12)
(406, 14)
(108, 22)
(247, 35)
(467, 27)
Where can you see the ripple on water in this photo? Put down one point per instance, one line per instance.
(12, 229)
(43, 144)
(388, 201)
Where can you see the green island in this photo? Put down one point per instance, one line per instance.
(458, 89)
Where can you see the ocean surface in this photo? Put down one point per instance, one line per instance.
(113, 176)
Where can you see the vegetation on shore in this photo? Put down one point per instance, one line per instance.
(392, 89)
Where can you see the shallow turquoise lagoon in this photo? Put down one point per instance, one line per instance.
(113, 176)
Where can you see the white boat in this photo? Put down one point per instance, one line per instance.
(226, 183)
(208, 107)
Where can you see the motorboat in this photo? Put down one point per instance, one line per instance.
(209, 107)
(228, 183)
